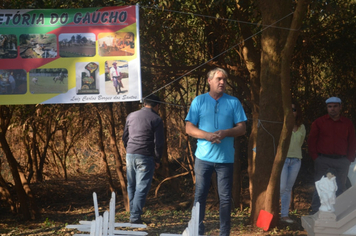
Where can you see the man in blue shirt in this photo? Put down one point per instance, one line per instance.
(215, 118)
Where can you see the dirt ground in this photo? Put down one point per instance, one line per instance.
(67, 202)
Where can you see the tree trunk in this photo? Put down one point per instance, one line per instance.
(164, 161)
(35, 213)
(48, 136)
(5, 117)
(190, 159)
(117, 156)
(236, 189)
(103, 153)
(275, 116)
(287, 104)
(5, 194)
(271, 110)
(34, 153)
(252, 59)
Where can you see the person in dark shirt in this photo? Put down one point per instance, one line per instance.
(331, 144)
(143, 139)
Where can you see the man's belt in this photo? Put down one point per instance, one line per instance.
(332, 156)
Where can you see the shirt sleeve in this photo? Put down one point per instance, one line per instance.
(125, 135)
(193, 114)
(159, 141)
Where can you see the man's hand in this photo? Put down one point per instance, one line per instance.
(213, 137)
(221, 133)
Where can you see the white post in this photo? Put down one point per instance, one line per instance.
(96, 208)
(98, 226)
(112, 214)
(196, 219)
(92, 228)
(105, 223)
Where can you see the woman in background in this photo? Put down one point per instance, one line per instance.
(292, 163)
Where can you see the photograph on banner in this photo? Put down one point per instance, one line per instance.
(8, 46)
(13, 82)
(87, 77)
(43, 81)
(116, 77)
(77, 45)
(38, 45)
(116, 44)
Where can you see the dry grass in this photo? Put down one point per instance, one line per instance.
(68, 202)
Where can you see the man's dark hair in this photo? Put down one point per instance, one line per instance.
(151, 100)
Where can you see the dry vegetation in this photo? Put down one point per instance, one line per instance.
(67, 202)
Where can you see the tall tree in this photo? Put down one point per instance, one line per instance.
(28, 206)
(275, 116)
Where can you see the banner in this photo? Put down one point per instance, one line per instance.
(70, 55)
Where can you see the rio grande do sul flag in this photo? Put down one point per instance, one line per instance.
(70, 55)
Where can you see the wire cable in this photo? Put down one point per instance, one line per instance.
(269, 26)
(216, 18)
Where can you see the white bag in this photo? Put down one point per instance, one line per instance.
(352, 173)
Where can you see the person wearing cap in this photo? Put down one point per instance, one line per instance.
(143, 139)
(116, 76)
(331, 144)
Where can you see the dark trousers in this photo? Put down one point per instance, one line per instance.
(224, 173)
(321, 165)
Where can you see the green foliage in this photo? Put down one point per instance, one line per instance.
(48, 223)
(323, 64)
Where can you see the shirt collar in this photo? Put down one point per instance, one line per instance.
(218, 98)
(149, 109)
(341, 119)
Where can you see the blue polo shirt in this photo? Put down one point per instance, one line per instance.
(212, 115)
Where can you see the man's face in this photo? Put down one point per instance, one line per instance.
(217, 83)
(334, 109)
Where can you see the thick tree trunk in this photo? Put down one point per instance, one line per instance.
(286, 98)
(271, 109)
(275, 116)
(5, 117)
